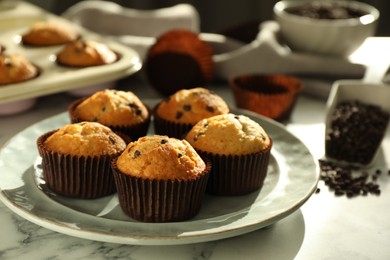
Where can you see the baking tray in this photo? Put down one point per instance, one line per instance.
(54, 78)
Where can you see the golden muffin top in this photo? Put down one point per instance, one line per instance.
(160, 157)
(228, 134)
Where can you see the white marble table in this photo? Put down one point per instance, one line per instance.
(325, 227)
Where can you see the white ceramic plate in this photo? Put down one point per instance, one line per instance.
(292, 177)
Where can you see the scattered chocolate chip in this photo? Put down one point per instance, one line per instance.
(187, 107)
(136, 154)
(179, 155)
(179, 114)
(347, 180)
(318, 190)
(206, 125)
(210, 108)
(237, 117)
(104, 109)
(164, 141)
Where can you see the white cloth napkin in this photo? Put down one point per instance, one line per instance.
(268, 54)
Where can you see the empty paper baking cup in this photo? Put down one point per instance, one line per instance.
(272, 96)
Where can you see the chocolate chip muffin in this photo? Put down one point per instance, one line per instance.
(122, 111)
(76, 159)
(176, 115)
(239, 149)
(15, 68)
(49, 33)
(160, 179)
(86, 53)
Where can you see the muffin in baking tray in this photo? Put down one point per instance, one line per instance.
(76, 159)
(239, 150)
(86, 53)
(15, 68)
(49, 33)
(160, 179)
(176, 115)
(179, 59)
(122, 111)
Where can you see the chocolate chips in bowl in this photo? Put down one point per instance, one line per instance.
(356, 124)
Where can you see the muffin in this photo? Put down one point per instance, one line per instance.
(45, 33)
(179, 59)
(15, 68)
(160, 179)
(122, 111)
(176, 115)
(270, 95)
(239, 150)
(76, 159)
(86, 53)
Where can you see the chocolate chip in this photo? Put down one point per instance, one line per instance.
(164, 141)
(130, 148)
(237, 117)
(187, 107)
(179, 114)
(179, 155)
(8, 62)
(196, 137)
(112, 139)
(206, 125)
(210, 108)
(136, 154)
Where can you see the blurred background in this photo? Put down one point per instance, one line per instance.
(219, 15)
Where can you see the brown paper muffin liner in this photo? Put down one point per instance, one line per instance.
(133, 131)
(273, 96)
(150, 200)
(237, 174)
(169, 128)
(81, 177)
(179, 59)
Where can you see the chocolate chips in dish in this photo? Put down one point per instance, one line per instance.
(353, 136)
(355, 132)
(327, 10)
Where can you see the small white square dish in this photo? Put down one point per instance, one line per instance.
(357, 115)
